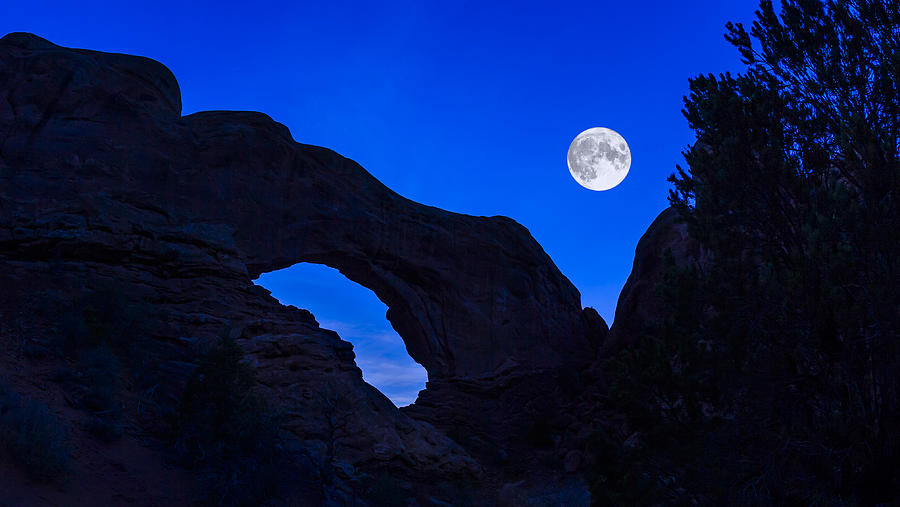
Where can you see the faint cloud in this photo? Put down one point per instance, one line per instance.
(382, 357)
(380, 352)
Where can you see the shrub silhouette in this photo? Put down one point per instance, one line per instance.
(106, 330)
(228, 431)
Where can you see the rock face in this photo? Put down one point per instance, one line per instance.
(467, 294)
(638, 303)
(101, 178)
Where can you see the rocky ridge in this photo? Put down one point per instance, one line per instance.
(102, 180)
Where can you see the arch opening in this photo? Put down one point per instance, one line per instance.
(358, 316)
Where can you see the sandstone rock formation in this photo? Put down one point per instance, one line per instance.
(101, 179)
(638, 303)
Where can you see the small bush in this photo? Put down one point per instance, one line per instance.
(34, 437)
(227, 431)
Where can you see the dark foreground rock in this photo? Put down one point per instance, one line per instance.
(103, 183)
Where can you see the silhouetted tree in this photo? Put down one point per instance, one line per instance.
(774, 376)
(224, 428)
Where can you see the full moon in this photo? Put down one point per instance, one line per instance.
(599, 158)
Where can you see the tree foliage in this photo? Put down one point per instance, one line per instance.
(227, 431)
(774, 377)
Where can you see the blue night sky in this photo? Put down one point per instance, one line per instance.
(467, 106)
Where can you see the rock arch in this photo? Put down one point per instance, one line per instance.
(467, 294)
(98, 168)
